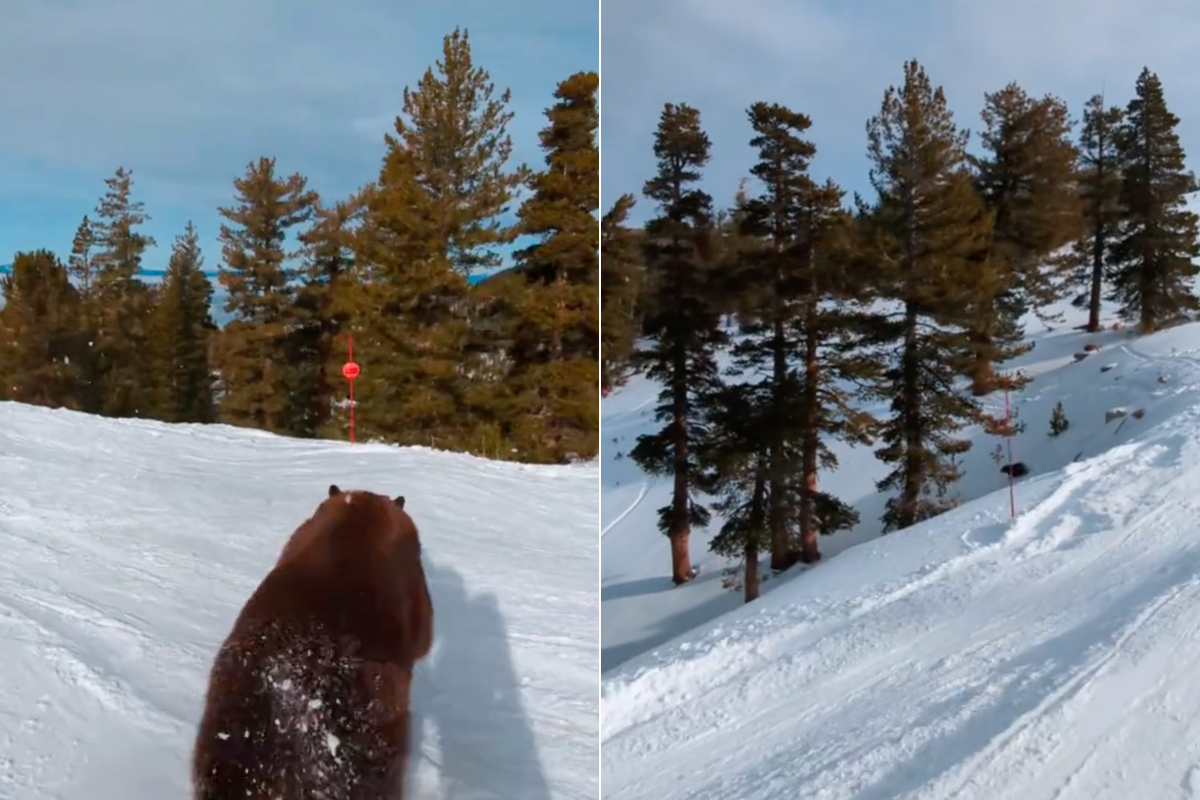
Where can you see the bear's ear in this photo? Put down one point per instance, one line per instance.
(399, 501)
(334, 491)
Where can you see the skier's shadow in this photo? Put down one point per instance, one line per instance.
(466, 702)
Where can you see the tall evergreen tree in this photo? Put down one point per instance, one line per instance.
(82, 270)
(683, 329)
(37, 332)
(1153, 256)
(925, 234)
(458, 128)
(123, 302)
(620, 282)
(737, 466)
(554, 354)
(1100, 196)
(1027, 178)
(796, 227)
(79, 265)
(182, 329)
(432, 217)
(320, 316)
(259, 275)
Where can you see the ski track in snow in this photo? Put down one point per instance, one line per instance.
(641, 495)
(128, 548)
(1052, 656)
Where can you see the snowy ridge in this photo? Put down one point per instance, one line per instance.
(1052, 655)
(127, 548)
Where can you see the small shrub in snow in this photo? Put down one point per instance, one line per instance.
(731, 578)
(1058, 419)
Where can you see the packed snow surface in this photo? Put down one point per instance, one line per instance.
(1054, 654)
(127, 549)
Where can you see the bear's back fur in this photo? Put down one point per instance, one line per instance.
(308, 695)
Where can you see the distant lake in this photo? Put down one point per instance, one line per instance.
(219, 295)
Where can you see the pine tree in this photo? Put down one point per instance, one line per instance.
(1027, 179)
(924, 236)
(434, 216)
(553, 414)
(123, 302)
(403, 302)
(620, 282)
(683, 329)
(79, 265)
(1153, 258)
(737, 464)
(259, 276)
(457, 129)
(37, 332)
(82, 270)
(1100, 195)
(794, 231)
(321, 314)
(183, 328)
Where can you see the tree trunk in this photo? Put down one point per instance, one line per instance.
(751, 583)
(810, 549)
(781, 555)
(751, 586)
(1149, 287)
(680, 528)
(982, 380)
(913, 469)
(681, 559)
(809, 535)
(1093, 323)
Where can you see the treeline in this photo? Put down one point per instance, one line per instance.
(507, 368)
(908, 300)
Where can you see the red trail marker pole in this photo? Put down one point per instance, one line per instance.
(350, 371)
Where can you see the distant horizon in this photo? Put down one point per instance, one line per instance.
(5, 269)
(217, 307)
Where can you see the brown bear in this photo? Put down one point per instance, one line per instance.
(308, 695)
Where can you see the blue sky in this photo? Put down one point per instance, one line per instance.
(186, 93)
(833, 61)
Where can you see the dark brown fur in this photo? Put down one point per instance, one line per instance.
(308, 696)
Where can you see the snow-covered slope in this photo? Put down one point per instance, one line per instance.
(1053, 655)
(127, 548)
(641, 608)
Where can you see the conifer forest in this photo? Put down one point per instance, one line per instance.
(506, 367)
(771, 319)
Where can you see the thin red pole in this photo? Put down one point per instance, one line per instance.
(351, 359)
(1012, 500)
